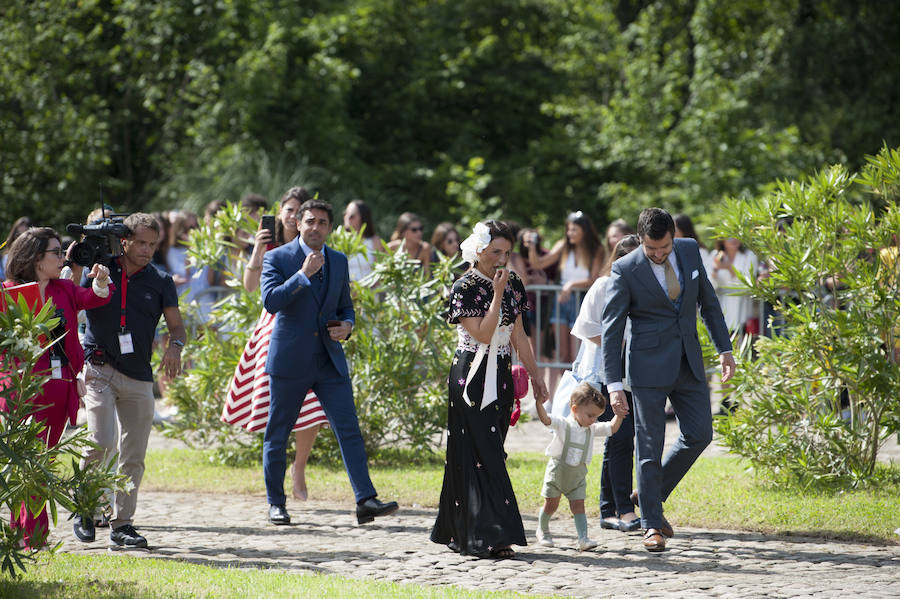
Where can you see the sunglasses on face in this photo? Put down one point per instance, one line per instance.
(415, 229)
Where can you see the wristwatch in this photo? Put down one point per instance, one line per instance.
(178, 342)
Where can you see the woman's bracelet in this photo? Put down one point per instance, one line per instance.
(252, 267)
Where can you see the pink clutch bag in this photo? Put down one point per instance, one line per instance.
(520, 389)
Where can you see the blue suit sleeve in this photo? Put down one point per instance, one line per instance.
(615, 314)
(278, 291)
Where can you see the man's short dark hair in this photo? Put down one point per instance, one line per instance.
(655, 223)
(137, 220)
(316, 204)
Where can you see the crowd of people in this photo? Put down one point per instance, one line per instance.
(292, 376)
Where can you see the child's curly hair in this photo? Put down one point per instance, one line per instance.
(585, 394)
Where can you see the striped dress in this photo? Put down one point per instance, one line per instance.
(247, 403)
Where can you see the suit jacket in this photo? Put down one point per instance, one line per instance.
(300, 329)
(660, 334)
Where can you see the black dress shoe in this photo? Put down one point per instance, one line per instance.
(369, 509)
(278, 515)
(611, 523)
(629, 526)
(84, 529)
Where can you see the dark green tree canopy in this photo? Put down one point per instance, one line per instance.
(600, 105)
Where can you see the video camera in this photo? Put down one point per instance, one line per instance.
(102, 240)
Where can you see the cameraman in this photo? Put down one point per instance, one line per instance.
(118, 374)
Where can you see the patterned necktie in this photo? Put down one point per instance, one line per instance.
(319, 275)
(671, 281)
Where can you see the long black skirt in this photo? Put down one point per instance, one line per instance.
(478, 513)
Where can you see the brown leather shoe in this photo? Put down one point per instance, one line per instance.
(634, 498)
(666, 529)
(654, 541)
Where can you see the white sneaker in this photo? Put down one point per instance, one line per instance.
(544, 538)
(586, 544)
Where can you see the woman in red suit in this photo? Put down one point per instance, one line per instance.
(37, 257)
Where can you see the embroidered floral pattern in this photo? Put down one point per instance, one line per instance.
(471, 298)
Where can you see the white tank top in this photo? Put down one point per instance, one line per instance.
(572, 272)
(359, 265)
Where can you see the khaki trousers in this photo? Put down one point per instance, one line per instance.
(111, 396)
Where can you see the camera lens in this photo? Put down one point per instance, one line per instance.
(84, 254)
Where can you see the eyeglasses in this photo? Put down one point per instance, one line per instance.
(58, 251)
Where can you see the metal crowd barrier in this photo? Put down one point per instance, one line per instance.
(551, 293)
(543, 318)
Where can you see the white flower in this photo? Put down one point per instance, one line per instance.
(475, 243)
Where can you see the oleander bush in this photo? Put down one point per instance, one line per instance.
(819, 398)
(30, 474)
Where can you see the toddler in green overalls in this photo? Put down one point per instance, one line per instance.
(570, 452)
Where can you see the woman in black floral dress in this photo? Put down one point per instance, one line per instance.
(478, 513)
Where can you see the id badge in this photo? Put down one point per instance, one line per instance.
(126, 345)
(55, 368)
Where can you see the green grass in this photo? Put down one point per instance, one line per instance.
(65, 576)
(717, 493)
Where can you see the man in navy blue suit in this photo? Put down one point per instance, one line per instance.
(307, 286)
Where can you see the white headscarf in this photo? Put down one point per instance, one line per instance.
(475, 243)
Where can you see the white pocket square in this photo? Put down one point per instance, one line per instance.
(695, 274)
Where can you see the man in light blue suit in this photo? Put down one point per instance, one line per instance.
(307, 286)
(660, 289)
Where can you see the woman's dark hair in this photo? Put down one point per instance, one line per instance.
(213, 208)
(253, 202)
(440, 234)
(14, 231)
(162, 247)
(720, 246)
(655, 223)
(684, 224)
(590, 241)
(621, 225)
(498, 228)
(365, 218)
(404, 221)
(522, 249)
(625, 246)
(26, 251)
(180, 221)
(298, 194)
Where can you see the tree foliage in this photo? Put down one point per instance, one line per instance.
(601, 105)
(835, 280)
(30, 474)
